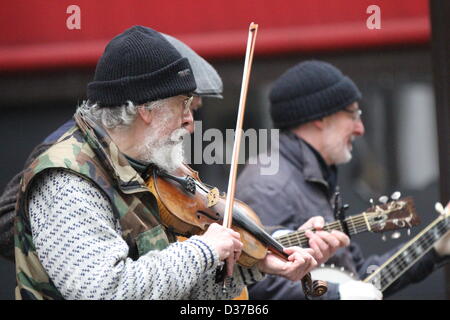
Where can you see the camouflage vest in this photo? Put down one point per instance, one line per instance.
(88, 151)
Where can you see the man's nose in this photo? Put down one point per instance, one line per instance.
(188, 121)
(358, 129)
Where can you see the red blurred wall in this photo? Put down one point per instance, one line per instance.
(33, 33)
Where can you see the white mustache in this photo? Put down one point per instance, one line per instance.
(178, 134)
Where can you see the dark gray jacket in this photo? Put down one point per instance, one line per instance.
(297, 192)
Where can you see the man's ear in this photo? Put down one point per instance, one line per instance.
(319, 123)
(145, 114)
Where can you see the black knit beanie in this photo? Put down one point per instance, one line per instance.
(309, 91)
(139, 65)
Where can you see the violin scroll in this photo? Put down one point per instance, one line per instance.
(313, 288)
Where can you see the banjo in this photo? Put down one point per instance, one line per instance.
(383, 276)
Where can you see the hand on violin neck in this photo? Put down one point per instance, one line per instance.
(298, 264)
(226, 242)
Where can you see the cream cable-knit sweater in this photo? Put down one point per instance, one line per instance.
(79, 244)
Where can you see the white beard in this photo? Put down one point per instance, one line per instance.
(338, 151)
(166, 153)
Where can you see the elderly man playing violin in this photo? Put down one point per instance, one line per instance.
(87, 225)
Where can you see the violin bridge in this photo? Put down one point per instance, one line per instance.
(213, 197)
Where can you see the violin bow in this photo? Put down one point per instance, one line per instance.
(311, 288)
(228, 214)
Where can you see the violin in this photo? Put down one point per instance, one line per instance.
(188, 206)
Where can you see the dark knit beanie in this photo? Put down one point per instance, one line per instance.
(139, 65)
(309, 91)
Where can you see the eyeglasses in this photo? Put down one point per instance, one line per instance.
(187, 103)
(355, 113)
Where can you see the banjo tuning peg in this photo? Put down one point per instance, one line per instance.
(383, 199)
(439, 208)
(396, 195)
(396, 235)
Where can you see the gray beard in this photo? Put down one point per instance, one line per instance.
(167, 154)
(338, 152)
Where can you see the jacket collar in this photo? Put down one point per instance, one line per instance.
(126, 177)
(297, 152)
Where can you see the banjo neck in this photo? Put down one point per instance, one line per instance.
(409, 254)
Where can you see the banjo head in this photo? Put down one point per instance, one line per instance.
(332, 273)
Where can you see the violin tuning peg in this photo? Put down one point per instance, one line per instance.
(383, 199)
(439, 208)
(383, 237)
(396, 195)
(396, 235)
